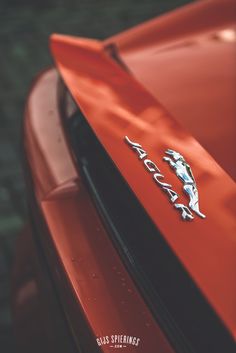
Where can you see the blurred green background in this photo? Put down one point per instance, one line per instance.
(24, 31)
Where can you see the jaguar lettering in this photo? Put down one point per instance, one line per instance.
(183, 171)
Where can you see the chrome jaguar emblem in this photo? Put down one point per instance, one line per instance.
(183, 172)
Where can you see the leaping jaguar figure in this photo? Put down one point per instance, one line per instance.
(184, 173)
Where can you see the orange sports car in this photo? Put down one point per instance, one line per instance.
(129, 165)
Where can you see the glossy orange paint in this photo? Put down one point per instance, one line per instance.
(100, 285)
(186, 60)
(115, 105)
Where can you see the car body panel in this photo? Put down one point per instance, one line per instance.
(186, 60)
(115, 105)
(123, 97)
(100, 285)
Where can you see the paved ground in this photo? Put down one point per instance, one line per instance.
(25, 27)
